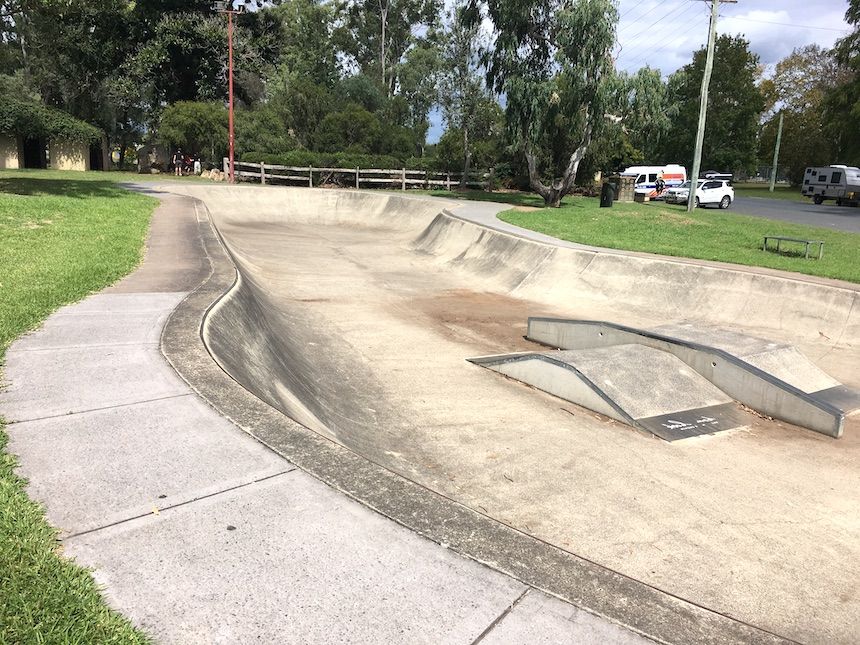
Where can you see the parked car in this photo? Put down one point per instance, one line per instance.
(714, 192)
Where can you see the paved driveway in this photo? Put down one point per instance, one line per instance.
(828, 215)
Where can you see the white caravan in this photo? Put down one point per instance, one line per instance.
(841, 183)
(646, 177)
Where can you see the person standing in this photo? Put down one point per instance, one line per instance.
(178, 160)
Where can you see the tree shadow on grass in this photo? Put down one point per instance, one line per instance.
(78, 189)
(793, 253)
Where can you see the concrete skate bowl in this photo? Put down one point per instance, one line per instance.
(353, 313)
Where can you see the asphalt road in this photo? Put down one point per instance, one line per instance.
(827, 215)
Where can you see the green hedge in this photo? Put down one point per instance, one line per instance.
(28, 119)
(306, 158)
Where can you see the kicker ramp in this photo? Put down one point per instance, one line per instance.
(641, 386)
(772, 378)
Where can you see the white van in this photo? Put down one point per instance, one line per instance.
(841, 183)
(646, 177)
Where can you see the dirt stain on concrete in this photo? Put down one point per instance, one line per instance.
(493, 322)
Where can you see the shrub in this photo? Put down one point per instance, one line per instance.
(30, 119)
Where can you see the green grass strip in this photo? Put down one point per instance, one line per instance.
(62, 236)
(762, 189)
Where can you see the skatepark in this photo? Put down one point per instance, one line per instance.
(349, 333)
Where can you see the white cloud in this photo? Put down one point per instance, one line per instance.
(665, 33)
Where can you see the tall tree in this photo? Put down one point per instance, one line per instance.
(842, 102)
(69, 49)
(418, 79)
(462, 93)
(552, 58)
(306, 35)
(735, 104)
(645, 112)
(378, 33)
(798, 88)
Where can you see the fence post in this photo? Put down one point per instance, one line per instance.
(262, 173)
(226, 166)
(448, 181)
(356, 176)
(491, 179)
(426, 180)
(403, 178)
(310, 176)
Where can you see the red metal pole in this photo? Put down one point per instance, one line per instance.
(230, 83)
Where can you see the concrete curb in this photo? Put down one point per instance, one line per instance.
(642, 608)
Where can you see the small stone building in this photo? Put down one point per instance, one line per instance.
(11, 151)
(35, 136)
(68, 155)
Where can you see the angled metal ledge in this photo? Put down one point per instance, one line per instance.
(746, 383)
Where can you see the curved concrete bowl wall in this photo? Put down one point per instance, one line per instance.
(646, 287)
(281, 355)
(245, 330)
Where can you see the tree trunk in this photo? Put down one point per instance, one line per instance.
(467, 161)
(556, 190)
(383, 15)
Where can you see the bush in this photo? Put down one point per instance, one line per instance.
(305, 158)
(28, 118)
(196, 127)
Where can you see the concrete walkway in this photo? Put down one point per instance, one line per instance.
(201, 534)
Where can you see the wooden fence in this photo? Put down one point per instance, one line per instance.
(356, 177)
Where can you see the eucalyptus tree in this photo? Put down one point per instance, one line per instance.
(418, 77)
(552, 60)
(306, 33)
(462, 91)
(377, 34)
(646, 113)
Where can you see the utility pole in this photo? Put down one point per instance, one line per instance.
(776, 152)
(703, 104)
(229, 9)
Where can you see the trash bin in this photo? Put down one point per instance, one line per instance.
(607, 194)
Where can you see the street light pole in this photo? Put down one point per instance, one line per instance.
(225, 7)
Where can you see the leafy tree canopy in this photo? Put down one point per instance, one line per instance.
(197, 128)
(552, 58)
(735, 104)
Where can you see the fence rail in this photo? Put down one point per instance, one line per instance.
(356, 177)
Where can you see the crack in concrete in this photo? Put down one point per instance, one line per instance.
(73, 413)
(180, 504)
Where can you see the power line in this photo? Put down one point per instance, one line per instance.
(644, 56)
(654, 8)
(786, 24)
(634, 8)
(633, 46)
(654, 35)
(648, 28)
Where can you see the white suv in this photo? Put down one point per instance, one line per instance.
(716, 192)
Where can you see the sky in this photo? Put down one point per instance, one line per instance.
(665, 33)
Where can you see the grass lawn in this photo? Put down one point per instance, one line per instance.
(707, 234)
(63, 235)
(98, 176)
(763, 190)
